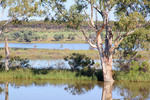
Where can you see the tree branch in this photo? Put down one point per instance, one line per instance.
(123, 36)
(99, 11)
(100, 30)
(88, 40)
(90, 21)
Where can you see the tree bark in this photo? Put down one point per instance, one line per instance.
(107, 91)
(107, 69)
(6, 55)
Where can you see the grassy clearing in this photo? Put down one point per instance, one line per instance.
(58, 54)
(49, 33)
(48, 54)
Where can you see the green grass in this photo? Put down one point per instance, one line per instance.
(132, 76)
(51, 74)
(50, 33)
(48, 54)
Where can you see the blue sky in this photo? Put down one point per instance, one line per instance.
(68, 3)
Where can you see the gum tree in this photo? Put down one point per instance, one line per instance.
(130, 15)
(17, 8)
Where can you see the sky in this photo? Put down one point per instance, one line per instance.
(68, 3)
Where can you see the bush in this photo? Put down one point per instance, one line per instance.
(71, 36)
(78, 61)
(1, 62)
(17, 62)
(27, 36)
(58, 37)
(137, 66)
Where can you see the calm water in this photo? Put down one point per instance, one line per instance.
(72, 90)
(48, 46)
(60, 63)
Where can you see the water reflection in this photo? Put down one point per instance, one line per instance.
(78, 88)
(74, 90)
(107, 91)
(6, 91)
(74, 46)
(134, 90)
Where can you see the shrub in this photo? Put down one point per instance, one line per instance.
(71, 36)
(1, 62)
(17, 62)
(58, 37)
(79, 61)
(27, 36)
(139, 66)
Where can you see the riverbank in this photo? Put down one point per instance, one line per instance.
(44, 74)
(66, 74)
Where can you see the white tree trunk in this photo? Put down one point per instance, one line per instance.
(107, 69)
(6, 55)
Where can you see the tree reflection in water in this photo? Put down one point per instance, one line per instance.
(6, 91)
(134, 90)
(79, 88)
(107, 91)
(1, 90)
(126, 90)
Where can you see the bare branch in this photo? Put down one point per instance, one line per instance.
(123, 36)
(100, 30)
(84, 34)
(88, 40)
(90, 21)
(7, 22)
(91, 44)
(99, 11)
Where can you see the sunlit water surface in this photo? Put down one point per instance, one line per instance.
(72, 90)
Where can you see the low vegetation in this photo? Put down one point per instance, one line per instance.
(48, 54)
(81, 68)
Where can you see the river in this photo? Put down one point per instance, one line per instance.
(60, 46)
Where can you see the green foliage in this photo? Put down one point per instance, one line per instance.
(132, 76)
(17, 62)
(42, 74)
(40, 71)
(58, 37)
(46, 19)
(1, 90)
(16, 22)
(127, 23)
(79, 61)
(131, 45)
(71, 36)
(24, 8)
(1, 62)
(136, 66)
(129, 6)
(27, 36)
